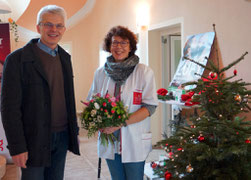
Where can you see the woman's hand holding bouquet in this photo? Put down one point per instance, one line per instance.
(104, 114)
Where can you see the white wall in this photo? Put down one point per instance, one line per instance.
(232, 19)
(233, 26)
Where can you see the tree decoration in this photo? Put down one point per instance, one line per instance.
(180, 149)
(213, 75)
(237, 97)
(168, 175)
(235, 72)
(201, 138)
(247, 141)
(189, 168)
(13, 28)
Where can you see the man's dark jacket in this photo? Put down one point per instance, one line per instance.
(26, 105)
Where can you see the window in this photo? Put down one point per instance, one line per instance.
(102, 57)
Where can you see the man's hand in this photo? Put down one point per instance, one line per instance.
(20, 159)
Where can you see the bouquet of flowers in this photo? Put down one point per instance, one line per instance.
(102, 112)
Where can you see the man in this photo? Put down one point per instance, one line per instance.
(37, 101)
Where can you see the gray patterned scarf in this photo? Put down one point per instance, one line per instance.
(120, 71)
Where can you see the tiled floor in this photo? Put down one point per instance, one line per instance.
(84, 167)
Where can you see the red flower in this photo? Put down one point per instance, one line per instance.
(85, 103)
(153, 165)
(10, 20)
(187, 96)
(189, 102)
(104, 104)
(112, 111)
(162, 91)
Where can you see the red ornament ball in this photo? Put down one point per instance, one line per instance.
(201, 138)
(180, 149)
(247, 141)
(154, 165)
(235, 72)
(168, 175)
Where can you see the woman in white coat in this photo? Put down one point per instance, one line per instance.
(123, 76)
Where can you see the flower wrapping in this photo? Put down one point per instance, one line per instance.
(103, 112)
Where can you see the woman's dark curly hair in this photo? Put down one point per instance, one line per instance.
(124, 33)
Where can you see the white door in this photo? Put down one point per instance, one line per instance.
(171, 53)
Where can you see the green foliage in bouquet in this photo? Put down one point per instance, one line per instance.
(101, 113)
(216, 145)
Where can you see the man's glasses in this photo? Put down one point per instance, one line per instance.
(51, 25)
(123, 44)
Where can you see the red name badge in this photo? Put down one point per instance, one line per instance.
(137, 98)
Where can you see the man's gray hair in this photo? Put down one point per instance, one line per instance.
(53, 9)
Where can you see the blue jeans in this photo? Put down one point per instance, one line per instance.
(125, 171)
(59, 146)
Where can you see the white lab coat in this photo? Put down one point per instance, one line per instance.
(136, 139)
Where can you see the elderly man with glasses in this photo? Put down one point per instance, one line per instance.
(37, 101)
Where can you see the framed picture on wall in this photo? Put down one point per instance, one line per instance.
(197, 47)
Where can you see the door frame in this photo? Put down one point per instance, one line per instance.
(155, 61)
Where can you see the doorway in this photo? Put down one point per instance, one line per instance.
(165, 42)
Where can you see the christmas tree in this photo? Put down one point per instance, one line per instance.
(216, 144)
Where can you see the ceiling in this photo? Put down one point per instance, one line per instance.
(24, 12)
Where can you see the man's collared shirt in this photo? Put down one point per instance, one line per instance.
(46, 49)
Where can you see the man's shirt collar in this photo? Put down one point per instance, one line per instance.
(46, 49)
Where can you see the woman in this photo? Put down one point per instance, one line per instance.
(123, 77)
